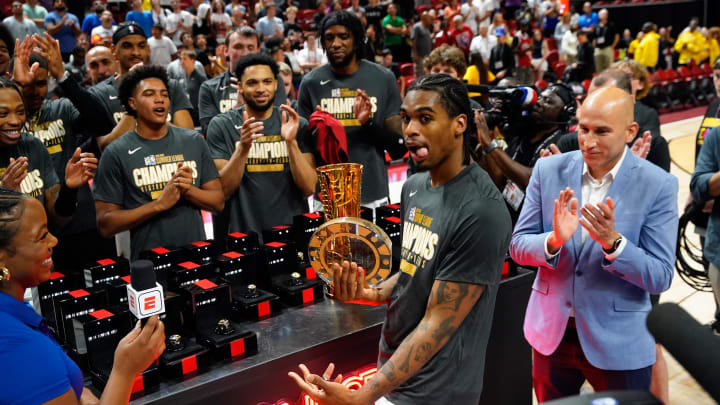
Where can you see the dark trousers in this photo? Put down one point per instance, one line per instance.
(563, 373)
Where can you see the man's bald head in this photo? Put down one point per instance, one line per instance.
(101, 63)
(605, 126)
(611, 100)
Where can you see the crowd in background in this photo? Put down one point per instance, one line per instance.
(529, 40)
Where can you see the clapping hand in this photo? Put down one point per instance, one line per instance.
(641, 147)
(80, 169)
(599, 221)
(362, 107)
(249, 131)
(565, 220)
(290, 123)
(23, 73)
(49, 49)
(551, 150)
(183, 178)
(15, 173)
(172, 192)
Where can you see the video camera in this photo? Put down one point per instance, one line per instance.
(510, 109)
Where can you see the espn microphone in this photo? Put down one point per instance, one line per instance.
(694, 346)
(145, 295)
(524, 96)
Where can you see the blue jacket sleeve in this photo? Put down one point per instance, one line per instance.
(650, 264)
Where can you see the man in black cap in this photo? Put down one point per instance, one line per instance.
(217, 95)
(362, 95)
(131, 49)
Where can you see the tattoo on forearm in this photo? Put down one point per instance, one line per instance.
(405, 366)
(388, 370)
(444, 329)
(451, 293)
(423, 352)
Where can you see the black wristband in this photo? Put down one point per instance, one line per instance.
(66, 202)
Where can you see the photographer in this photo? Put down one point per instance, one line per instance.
(510, 169)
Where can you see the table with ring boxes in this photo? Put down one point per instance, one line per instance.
(240, 314)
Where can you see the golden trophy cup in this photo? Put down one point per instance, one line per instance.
(344, 235)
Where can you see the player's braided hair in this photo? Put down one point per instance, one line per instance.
(455, 101)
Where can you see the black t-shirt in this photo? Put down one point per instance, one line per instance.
(648, 120)
(336, 95)
(374, 16)
(133, 171)
(202, 57)
(267, 195)
(217, 96)
(604, 35)
(294, 26)
(457, 232)
(521, 150)
(40, 171)
(502, 58)
(106, 92)
(585, 62)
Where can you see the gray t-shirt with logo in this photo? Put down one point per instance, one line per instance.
(133, 171)
(40, 172)
(336, 95)
(267, 195)
(457, 232)
(60, 127)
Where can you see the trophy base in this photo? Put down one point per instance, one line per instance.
(355, 240)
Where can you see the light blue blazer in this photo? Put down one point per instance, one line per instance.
(610, 299)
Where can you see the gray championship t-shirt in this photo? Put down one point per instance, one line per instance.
(61, 129)
(106, 92)
(456, 232)
(40, 172)
(133, 171)
(217, 96)
(336, 95)
(267, 195)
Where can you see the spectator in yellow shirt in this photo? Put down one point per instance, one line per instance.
(714, 44)
(689, 43)
(706, 48)
(634, 45)
(648, 49)
(472, 73)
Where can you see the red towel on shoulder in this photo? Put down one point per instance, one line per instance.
(330, 137)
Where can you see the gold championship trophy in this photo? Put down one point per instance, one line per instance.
(344, 235)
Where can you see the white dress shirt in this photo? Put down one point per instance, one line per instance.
(594, 192)
(483, 45)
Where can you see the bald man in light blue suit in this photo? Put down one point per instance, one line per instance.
(601, 226)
